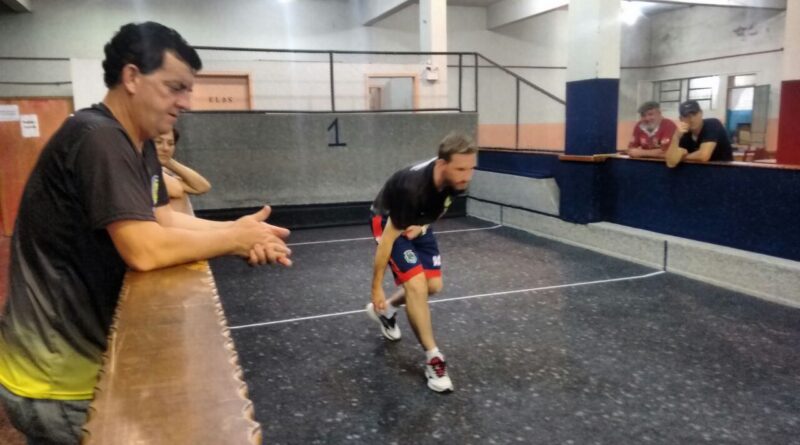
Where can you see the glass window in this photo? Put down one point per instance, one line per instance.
(675, 91)
(670, 85)
(702, 82)
(667, 96)
(704, 93)
(744, 80)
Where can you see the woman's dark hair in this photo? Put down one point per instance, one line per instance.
(143, 45)
(175, 135)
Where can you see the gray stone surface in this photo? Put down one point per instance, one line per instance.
(537, 194)
(640, 250)
(484, 210)
(763, 276)
(284, 159)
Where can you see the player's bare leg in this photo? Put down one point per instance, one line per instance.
(419, 316)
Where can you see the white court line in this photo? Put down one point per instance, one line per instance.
(466, 297)
(372, 238)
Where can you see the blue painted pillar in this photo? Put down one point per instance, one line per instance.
(593, 67)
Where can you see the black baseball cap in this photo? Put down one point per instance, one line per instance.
(689, 107)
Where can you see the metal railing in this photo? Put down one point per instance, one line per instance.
(467, 66)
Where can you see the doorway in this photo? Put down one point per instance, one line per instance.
(27, 124)
(221, 91)
(391, 92)
(747, 110)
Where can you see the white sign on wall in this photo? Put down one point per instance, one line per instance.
(9, 113)
(30, 125)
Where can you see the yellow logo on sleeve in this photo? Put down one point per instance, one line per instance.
(154, 188)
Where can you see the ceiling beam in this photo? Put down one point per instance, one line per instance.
(373, 11)
(18, 5)
(767, 4)
(510, 11)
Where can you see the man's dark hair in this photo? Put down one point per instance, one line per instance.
(143, 45)
(647, 106)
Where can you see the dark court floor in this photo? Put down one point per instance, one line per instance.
(596, 351)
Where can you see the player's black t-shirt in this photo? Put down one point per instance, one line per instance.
(712, 131)
(410, 198)
(65, 274)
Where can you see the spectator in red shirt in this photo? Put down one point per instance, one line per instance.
(653, 134)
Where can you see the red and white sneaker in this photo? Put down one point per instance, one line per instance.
(436, 372)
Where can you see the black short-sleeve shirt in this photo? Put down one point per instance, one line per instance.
(410, 197)
(65, 274)
(712, 131)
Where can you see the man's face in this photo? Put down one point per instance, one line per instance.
(161, 96)
(652, 118)
(458, 172)
(694, 120)
(165, 147)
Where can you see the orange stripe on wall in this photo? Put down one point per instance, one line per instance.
(538, 136)
(551, 136)
(624, 133)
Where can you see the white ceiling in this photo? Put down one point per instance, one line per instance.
(647, 7)
(483, 3)
(653, 8)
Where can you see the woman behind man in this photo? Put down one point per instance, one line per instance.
(179, 179)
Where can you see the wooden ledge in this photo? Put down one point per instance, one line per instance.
(753, 164)
(171, 373)
(595, 159)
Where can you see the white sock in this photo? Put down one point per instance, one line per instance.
(390, 310)
(433, 353)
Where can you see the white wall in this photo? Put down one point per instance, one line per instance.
(704, 32)
(79, 28)
(84, 26)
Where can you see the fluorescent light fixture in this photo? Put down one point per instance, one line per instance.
(630, 13)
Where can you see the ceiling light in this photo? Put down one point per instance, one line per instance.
(630, 13)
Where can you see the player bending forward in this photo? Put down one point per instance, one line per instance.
(409, 202)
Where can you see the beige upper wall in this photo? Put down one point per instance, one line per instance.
(79, 28)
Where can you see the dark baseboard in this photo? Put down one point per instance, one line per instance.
(317, 215)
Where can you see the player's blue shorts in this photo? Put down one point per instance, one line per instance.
(411, 257)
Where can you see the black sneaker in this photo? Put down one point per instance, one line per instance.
(389, 327)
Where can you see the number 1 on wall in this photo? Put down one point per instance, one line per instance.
(335, 127)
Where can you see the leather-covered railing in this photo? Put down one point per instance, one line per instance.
(171, 373)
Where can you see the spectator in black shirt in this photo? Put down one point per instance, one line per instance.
(409, 202)
(95, 204)
(701, 139)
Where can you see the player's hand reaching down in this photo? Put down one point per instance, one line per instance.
(259, 242)
(379, 299)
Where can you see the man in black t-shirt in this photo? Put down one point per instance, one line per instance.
(409, 202)
(94, 205)
(700, 139)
